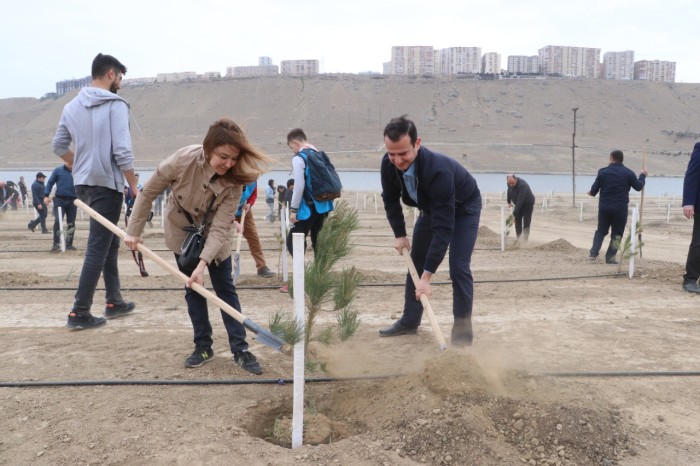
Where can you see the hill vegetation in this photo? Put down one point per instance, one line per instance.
(503, 126)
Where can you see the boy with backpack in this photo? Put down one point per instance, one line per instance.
(316, 184)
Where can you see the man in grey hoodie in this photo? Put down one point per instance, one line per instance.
(97, 122)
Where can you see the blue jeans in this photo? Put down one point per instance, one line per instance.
(612, 218)
(102, 248)
(461, 247)
(221, 281)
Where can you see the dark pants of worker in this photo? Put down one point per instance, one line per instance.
(522, 218)
(692, 264)
(102, 248)
(612, 218)
(311, 225)
(70, 211)
(460, 251)
(221, 281)
(41, 219)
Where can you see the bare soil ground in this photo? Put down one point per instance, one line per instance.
(539, 310)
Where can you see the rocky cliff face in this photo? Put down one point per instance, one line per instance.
(507, 125)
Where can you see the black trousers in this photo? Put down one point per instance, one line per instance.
(522, 221)
(311, 225)
(692, 264)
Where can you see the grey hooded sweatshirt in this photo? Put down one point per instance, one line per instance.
(97, 121)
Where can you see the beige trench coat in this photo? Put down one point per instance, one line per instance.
(189, 175)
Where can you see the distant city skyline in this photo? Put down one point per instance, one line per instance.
(43, 42)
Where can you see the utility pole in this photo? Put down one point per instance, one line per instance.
(573, 159)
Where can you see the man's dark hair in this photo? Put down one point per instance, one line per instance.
(399, 126)
(103, 63)
(290, 182)
(297, 134)
(617, 155)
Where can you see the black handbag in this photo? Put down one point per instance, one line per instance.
(193, 245)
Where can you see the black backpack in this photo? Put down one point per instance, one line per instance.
(325, 183)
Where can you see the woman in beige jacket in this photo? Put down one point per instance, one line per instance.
(217, 169)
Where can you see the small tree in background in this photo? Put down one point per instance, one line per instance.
(326, 289)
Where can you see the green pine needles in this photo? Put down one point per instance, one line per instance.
(330, 285)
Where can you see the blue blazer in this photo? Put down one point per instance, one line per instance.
(691, 182)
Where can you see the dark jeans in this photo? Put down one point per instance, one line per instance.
(522, 221)
(460, 251)
(221, 281)
(311, 225)
(692, 264)
(102, 248)
(612, 218)
(70, 211)
(41, 219)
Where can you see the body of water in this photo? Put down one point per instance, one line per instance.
(369, 181)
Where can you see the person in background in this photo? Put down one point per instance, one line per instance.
(64, 197)
(450, 207)
(306, 214)
(281, 194)
(250, 232)
(96, 121)
(691, 204)
(23, 189)
(614, 183)
(270, 200)
(15, 199)
(38, 189)
(520, 195)
(211, 175)
(289, 193)
(7, 194)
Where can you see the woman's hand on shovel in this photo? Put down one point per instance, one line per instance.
(198, 274)
(132, 242)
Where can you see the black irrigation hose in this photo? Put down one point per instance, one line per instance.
(269, 287)
(82, 383)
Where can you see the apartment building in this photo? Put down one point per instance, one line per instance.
(618, 65)
(251, 71)
(412, 60)
(457, 60)
(299, 67)
(521, 64)
(68, 85)
(655, 70)
(174, 77)
(570, 61)
(491, 63)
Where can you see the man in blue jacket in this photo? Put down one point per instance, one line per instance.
(63, 198)
(691, 202)
(97, 122)
(450, 206)
(614, 183)
(38, 203)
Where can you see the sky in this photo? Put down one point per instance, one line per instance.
(45, 41)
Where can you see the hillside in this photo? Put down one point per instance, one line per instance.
(502, 126)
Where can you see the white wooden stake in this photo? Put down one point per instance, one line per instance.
(375, 204)
(364, 202)
(668, 213)
(633, 243)
(62, 231)
(283, 232)
(503, 229)
(298, 398)
(581, 215)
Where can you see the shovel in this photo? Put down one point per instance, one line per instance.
(237, 255)
(425, 302)
(263, 335)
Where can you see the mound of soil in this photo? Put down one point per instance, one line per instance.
(559, 245)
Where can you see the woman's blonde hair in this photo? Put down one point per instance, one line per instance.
(251, 162)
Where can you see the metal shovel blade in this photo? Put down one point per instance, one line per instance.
(265, 336)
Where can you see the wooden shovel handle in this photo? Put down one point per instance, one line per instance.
(163, 263)
(425, 302)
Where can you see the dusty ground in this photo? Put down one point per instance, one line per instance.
(490, 404)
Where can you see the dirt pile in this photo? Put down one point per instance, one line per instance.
(559, 245)
(455, 411)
